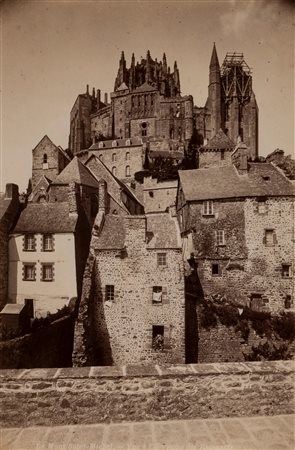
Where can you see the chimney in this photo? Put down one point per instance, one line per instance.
(106, 98)
(102, 196)
(98, 99)
(73, 198)
(11, 191)
(87, 89)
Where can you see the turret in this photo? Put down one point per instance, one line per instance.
(148, 68)
(132, 73)
(164, 65)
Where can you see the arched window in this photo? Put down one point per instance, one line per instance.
(100, 145)
(114, 170)
(127, 156)
(114, 157)
(45, 158)
(127, 171)
(143, 129)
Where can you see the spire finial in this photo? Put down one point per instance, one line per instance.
(214, 58)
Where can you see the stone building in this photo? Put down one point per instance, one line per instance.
(9, 211)
(231, 104)
(132, 307)
(48, 161)
(239, 224)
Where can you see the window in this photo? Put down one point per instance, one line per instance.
(288, 302)
(114, 157)
(286, 270)
(45, 158)
(127, 157)
(215, 270)
(208, 208)
(114, 170)
(222, 155)
(114, 144)
(161, 258)
(30, 243)
(47, 242)
(128, 142)
(220, 240)
(143, 129)
(47, 272)
(100, 145)
(110, 293)
(127, 171)
(157, 295)
(158, 338)
(256, 302)
(29, 272)
(269, 238)
(100, 157)
(262, 207)
(151, 193)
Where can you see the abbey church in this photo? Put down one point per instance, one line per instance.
(156, 206)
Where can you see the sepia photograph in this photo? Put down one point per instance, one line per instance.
(147, 224)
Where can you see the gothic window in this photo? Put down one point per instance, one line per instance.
(114, 170)
(220, 239)
(208, 208)
(29, 272)
(47, 242)
(215, 269)
(29, 243)
(127, 171)
(110, 293)
(47, 272)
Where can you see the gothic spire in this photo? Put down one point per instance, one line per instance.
(214, 58)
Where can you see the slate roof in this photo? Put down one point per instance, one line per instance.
(46, 218)
(263, 179)
(121, 143)
(164, 231)
(76, 171)
(219, 141)
(112, 235)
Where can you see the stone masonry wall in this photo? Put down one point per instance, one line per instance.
(88, 395)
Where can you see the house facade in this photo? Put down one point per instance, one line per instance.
(238, 224)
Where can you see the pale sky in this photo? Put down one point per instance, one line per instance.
(51, 49)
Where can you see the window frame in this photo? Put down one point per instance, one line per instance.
(44, 236)
(30, 237)
(266, 233)
(109, 292)
(45, 265)
(218, 274)
(208, 208)
(26, 265)
(283, 273)
(220, 238)
(127, 171)
(162, 259)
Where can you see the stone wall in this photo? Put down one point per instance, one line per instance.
(214, 158)
(110, 394)
(158, 195)
(50, 346)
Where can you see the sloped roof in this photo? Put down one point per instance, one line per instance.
(46, 218)
(12, 308)
(145, 87)
(112, 235)
(122, 87)
(77, 172)
(225, 182)
(120, 143)
(219, 141)
(164, 231)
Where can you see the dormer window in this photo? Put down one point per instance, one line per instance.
(128, 142)
(101, 145)
(114, 144)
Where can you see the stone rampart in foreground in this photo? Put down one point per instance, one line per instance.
(88, 395)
